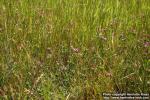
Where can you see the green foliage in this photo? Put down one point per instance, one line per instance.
(73, 49)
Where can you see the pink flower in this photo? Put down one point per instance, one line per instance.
(146, 44)
(76, 50)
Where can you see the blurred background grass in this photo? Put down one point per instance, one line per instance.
(73, 49)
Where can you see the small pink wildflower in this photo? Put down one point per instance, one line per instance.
(76, 50)
(146, 44)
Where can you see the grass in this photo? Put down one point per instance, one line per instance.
(73, 49)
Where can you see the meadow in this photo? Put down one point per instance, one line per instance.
(73, 49)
